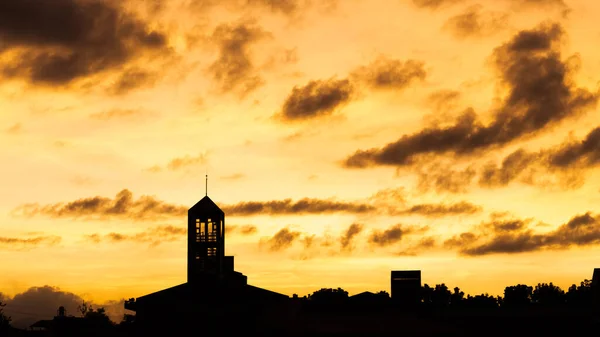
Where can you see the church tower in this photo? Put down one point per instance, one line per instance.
(206, 243)
(206, 239)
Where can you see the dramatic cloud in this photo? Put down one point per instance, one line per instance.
(316, 99)
(56, 42)
(302, 206)
(540, 95)
(123, 205)
(515, 236)
(39, 303)
(349, 234)
(392, 235)
(28, 242)
(390, 74)
(440, 210)
(475, 22)
(181, 163)
(233, 70)
(283, 239)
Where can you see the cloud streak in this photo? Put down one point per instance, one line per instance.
(29, 242)
(517, 236)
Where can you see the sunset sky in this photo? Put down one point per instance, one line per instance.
(343, 139)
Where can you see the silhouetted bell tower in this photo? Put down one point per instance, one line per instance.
(206, 239)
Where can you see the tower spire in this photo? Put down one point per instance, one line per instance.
(206, 186)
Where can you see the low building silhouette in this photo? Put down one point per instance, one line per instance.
(215, 295)
(406, 288)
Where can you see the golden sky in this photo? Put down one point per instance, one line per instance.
(343, 140)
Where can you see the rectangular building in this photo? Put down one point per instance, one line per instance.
(406, 287)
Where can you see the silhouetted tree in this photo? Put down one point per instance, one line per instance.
(548, 294)
(580, 295)
(426, 294)
(4, 320)
(482, 301)
(440, 297)
(456, 298)
(518, 295)
(328, 298)
(383, 293)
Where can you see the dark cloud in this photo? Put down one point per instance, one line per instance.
(385, 73)
(123, 205)
(515, 236)
(348, 236)
(180, 163)
(434, 4)
(540, 95)
(392, 235)
(56, 42)
(283, 239)
(316, 99)
(476, 22)
(440, 210)
(28, 242)
(583, 153)
(302, 206)
(39, 303)
(233, 70)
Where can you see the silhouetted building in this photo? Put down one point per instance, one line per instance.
(406, 288)
(369, 302)
(596, 291)
(214, 291)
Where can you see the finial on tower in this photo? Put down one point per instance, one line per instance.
(206, 186)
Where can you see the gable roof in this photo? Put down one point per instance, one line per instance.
(206, 205)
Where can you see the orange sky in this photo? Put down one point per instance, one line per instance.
(343, 139)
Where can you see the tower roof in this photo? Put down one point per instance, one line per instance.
(206, 205)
